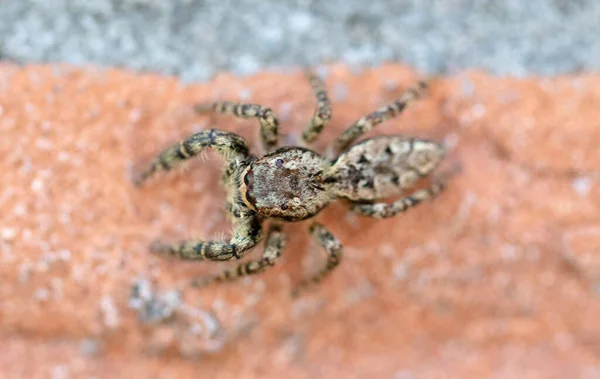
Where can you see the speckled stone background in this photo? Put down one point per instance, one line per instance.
(196, 38)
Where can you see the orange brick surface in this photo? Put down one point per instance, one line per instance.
(498, 277)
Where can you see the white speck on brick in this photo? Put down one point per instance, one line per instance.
(285, 111)
(564, 341)
(196, 329)
(42, 266)
(340, 92)
(59, 372)
(251, 300)
(6, 255)
(90, 347)
(400, 270)
(8, 234)
(218, 305)
(64, 218)
(41, 294)
(26, 166)
(57, 287)
(247, 281)
(63, 156)
(351, 219)
(387, 250)
(509, 252)
(25, 271)
(359, 293)
(211, 324)
(43, 144)
(78, 273)
(30, 108)
(37, 185)
(582, 186)
(110, 314)
(478, 111)
(20, 210)
(259, 285)
(390, 84)
(451, 140)
(245, 94)
(64, 255)
(402, 374)
(46, 126)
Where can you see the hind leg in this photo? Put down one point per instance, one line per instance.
(384, 210)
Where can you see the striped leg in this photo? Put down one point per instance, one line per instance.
(322, 113)
(269, 125)
(383, 210)
(231, 146)
(369, 121)
(332, 247)
(275, 242)
(246, 234)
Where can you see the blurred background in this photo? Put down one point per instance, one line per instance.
(195, 38)
(496, 279)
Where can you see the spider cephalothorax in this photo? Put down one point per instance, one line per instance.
(289, 184)
(296, 183)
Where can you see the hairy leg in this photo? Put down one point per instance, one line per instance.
(247, 232)
(332, 247)
(269, 125)
(231, 146)
(275, 243)
(384, 210)
(322, 113)
(368, 122)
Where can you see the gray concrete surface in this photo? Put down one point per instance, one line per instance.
(195, 38)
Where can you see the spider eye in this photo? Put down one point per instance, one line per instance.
(248, 177)
(279, 162)
(284, 207)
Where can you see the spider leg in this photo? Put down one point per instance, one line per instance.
(332, 247)
(368, 122)
(322, 113)
(231, 146)
(269, 124)
(384, 210)
(247, 232)
(275, 243)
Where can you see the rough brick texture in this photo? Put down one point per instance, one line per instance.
(498, 277)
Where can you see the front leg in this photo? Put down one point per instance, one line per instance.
(275, 243)
(231, 146)
(332, 247)
(246, 234)
(269, 125)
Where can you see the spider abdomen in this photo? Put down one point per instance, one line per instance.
(288, 184)
(381, 167)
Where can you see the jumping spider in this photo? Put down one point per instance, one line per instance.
(295, 183)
